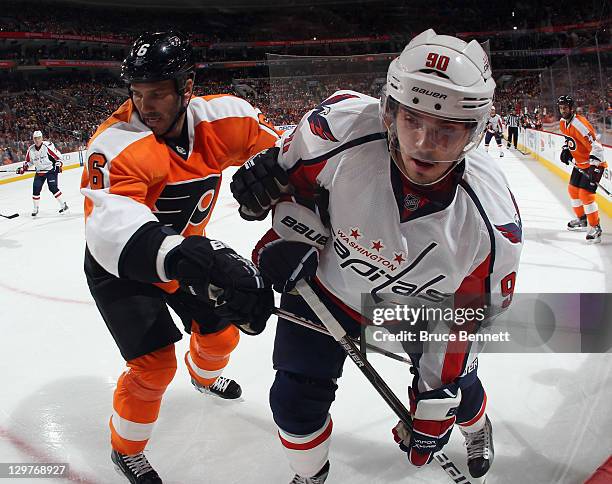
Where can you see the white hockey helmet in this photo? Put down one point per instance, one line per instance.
(37, 134)
(439, 77)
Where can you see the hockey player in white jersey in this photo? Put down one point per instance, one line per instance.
(411, 207)
(494, 129)
(44, 157)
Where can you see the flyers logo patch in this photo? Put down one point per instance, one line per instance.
(189, 202)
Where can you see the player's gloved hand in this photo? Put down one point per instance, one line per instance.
(595, 171)
(285, 262)
(58, 166)
(566, 155)
(289, 251)
(434, 413)
(231, 284)
(20, 170)
(259, 184)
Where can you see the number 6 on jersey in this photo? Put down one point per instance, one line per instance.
(95, 163)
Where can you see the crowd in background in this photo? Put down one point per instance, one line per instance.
(67, 115)
(297, 22)
(67, 105)
(69, 112)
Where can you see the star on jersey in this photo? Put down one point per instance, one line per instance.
(377, 245)
(355, 233)
(398, 258)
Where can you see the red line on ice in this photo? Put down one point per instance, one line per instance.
(41, 457)
(44, 296)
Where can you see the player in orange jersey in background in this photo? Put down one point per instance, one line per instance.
(151, 182)
(581, 145)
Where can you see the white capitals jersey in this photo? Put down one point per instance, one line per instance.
(495, 123)
(384, 240)
(43, 158)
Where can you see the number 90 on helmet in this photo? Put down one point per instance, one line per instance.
(438, 82)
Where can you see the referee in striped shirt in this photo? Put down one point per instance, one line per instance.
(512, 121)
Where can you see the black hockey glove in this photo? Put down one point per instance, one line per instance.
(289, 251)
(258, 184)
(286, 262)
(595, 171)
(566, 155)
(231, 284)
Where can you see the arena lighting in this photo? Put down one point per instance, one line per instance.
(514, 27)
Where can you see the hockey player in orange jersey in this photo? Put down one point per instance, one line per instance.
(151, 182)
(581, 145)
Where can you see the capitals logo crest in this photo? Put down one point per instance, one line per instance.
(513, 231)
(317, 122)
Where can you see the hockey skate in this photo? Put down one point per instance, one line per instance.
(479, 447)
(577, 224)
(35, 212)
(594, 235)
(222, 387)
(64, 208)
(318, 478)
(135, 467)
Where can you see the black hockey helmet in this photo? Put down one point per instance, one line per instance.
(567, 99)
(158, 56)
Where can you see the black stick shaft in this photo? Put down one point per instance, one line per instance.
(294, 318)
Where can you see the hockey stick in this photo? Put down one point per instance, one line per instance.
(350, 348)
(294, 318)
(25, 171)
(13, 215)
(587, 175)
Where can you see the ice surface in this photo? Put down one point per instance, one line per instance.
(550, 412)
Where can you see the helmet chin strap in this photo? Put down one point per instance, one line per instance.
(178, 115)
(180, 112)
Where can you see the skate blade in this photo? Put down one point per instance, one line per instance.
(217, 397)
(594, 241)
(120, 472)
(578, 229)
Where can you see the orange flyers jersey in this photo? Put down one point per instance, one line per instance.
(132, 178)
(582, 140)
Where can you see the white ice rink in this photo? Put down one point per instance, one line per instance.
(551, 413)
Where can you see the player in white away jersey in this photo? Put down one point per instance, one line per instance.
(44, 157)
(494, 129)
(405, 204)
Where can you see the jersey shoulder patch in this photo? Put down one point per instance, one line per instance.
(490, 184)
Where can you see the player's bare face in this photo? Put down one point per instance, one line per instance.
(565, 111)
(157, 104)
(427, 142)
(38, 141)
